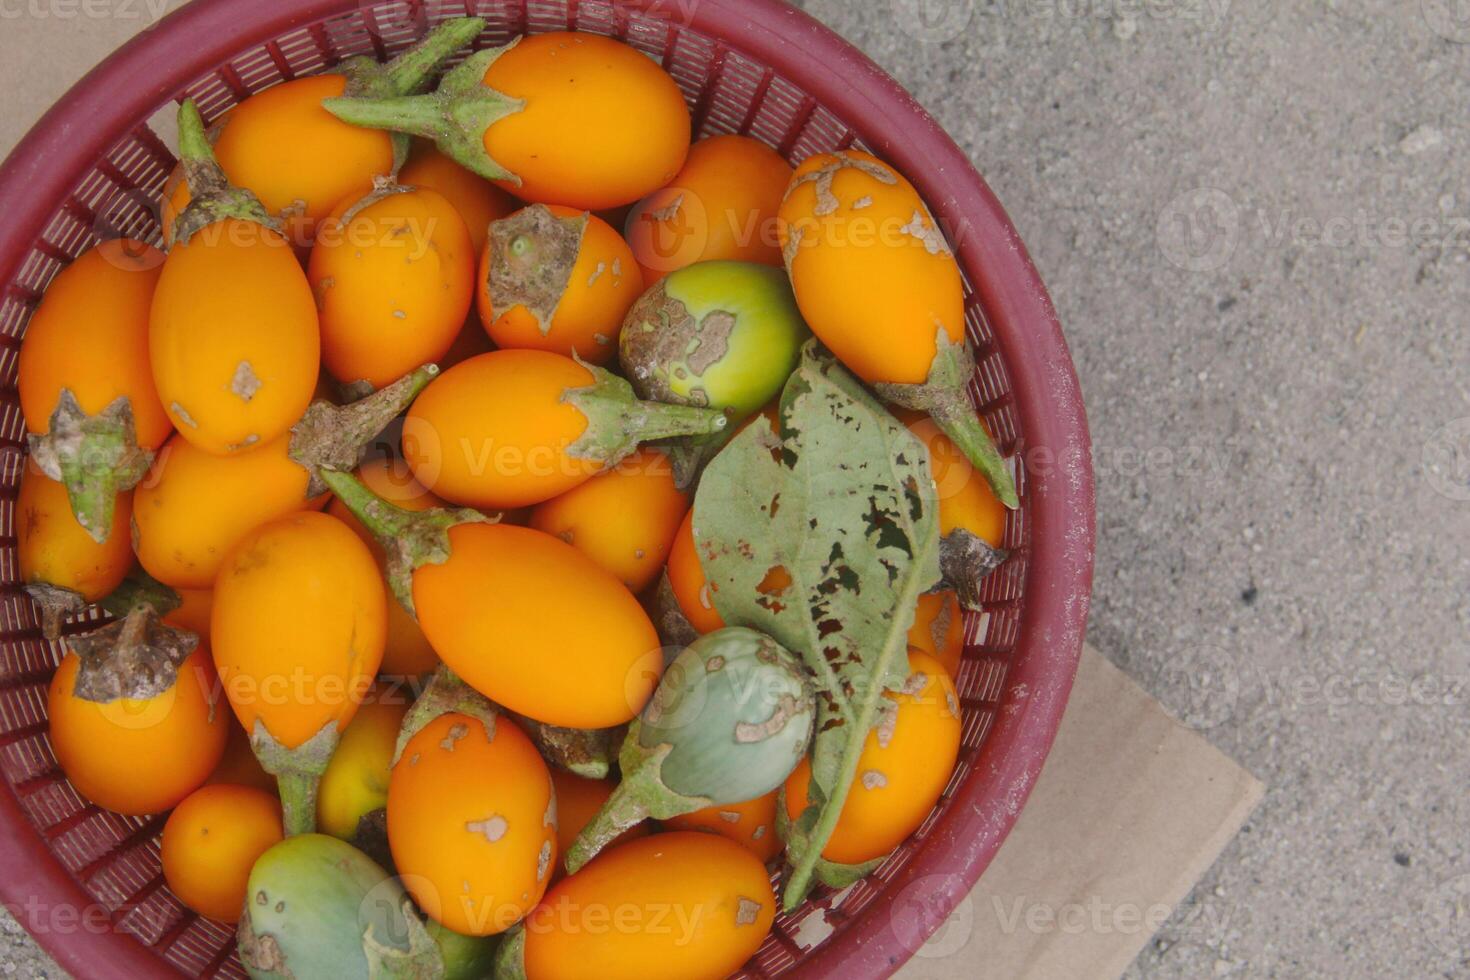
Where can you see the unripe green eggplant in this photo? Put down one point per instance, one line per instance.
(730, 720)
(318, 907)
(718, 334)
(465, 957)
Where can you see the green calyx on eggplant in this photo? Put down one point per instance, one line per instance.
(730, 720)
(96, 457)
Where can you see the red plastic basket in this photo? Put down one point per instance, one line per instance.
(86, 883)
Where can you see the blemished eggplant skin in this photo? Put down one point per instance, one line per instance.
(697, 906)
(313, 907)
(731, 718)
(719, 334)
(906, 763)
(233, 337)
(737, 710)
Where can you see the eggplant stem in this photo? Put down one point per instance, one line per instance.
(212, 197)
(417, 115)
(194, 146)
(333, 436)
(510, 955)
(96, 457)
(298, 772)
(617, 422)
(969, 434)
(624, 809)
(656, 420)
(298, 801)
(409, 71)
(411, 539)
(455, 116)
(942, 396)
(55, 603)
(444, 694)
(642, 793)
(141, 589)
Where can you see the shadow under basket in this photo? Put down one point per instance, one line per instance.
(86, 882)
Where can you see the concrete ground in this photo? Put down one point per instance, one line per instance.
(1255, 222)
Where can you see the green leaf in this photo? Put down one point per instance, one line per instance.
(842, 503)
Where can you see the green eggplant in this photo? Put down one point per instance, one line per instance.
(730, 720)
(318, 907)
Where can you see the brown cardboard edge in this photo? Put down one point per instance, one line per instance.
(1130, 811)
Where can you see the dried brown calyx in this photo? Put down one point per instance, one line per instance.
(673, 627)
(137, 657)
(55, 603)
(333, 437)
(589, 753)
(532, 255)
(965, 560)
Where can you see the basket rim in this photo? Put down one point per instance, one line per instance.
(46, 166)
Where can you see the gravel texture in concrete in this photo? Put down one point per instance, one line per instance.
(1254, 219)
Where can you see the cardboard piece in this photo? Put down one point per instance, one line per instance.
(1130, 810)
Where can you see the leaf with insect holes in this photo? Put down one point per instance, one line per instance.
(823, 538)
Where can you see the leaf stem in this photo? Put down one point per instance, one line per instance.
(799, 882)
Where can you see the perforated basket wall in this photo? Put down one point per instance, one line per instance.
(746, 66)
